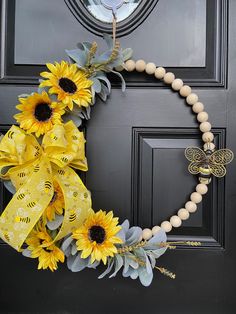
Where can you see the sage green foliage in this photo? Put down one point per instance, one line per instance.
(98, 65)
(137, 263)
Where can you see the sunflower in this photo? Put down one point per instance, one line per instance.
(97, 236)
(39, 113)
(40, 244)
(69, 83)
(57, 203)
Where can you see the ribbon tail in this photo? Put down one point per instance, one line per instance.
(77, 200)
(27, 205)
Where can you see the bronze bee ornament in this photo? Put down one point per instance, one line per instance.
(208, 162)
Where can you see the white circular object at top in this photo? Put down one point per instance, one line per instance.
(112, 4)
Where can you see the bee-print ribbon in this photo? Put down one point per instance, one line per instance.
(32, 167)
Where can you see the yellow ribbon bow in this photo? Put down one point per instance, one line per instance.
(32, 167)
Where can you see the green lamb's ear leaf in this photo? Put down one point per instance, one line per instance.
(108, 269)
(42, 89)
(96, 85)
(145, 277)
(134, 274)
(154, 242)
(66, 243)
(26, 253)
(127, 53)
(104, 92)
(77, 55)
(86, 45)
(105, 79)
(93, 265)
(103, 58)
(9, 186)
(23, 95)
(133, 235)
(119, 264)
(53, 225)
(74, 249)
(74, 117)
(79, 264)
(152, 259)
(157, 253)
(123, 85)
(109, 40)
(85, 113)
(117, 62)
(70, 260)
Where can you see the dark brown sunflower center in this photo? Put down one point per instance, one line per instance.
(43, 112)
(67, 85)
(97, 234)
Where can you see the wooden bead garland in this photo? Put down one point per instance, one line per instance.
(204, 126)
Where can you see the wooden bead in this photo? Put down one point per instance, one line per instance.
(150, 68)
(160, 73)
(207, 137)
(166, 226)
(130, 65)
(198, 107)
(210, 146)
(147, 234)
(192, 99)
(140, 65)
(183, 214)
(175, 221)
(202, 188)
(185, 91)
(155, 230)
(169, 78)
(202, 116)
(196, 197)
(191, 207)
(177, 84)
(205, 126)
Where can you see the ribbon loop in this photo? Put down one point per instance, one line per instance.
(32, 168)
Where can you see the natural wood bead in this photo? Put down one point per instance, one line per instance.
(202, 116)
(140, 65)
(155, 230)
(183, 214)
(191, 207)
(175, 221)
(130, 65)
(196, 197)
(166, 226)
(147, 234)
(169, 78)
(198, 107)
(177, 84)
(210, 146)
(185, 91)
(192, 99)
(207, 137)
(205, 126)
(160, 73)
(201, 188)
(150, 68)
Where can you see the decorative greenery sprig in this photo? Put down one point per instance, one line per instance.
(136, 258)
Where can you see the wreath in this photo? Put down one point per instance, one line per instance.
(50, 216)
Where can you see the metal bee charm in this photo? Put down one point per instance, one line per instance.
(208, 162)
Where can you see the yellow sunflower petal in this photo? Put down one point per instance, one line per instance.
(97, 237)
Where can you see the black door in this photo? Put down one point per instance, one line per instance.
(196, 40)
